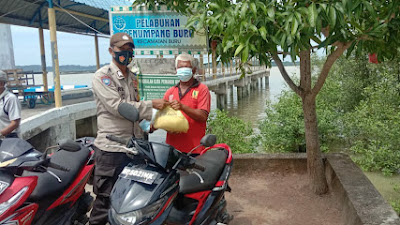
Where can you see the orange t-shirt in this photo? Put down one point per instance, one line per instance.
(197, 97)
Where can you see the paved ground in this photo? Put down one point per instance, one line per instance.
(278, 198)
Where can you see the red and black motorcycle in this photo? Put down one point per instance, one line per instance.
(39, 189)
(170, 187)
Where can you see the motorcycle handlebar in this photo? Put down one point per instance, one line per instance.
(117, 139)
(199, 167)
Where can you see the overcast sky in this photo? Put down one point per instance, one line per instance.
(72, 48)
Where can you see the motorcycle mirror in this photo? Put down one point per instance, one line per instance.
(69, 145)
(128, 111)
(208, 140)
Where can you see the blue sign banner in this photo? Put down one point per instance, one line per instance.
(157, 30)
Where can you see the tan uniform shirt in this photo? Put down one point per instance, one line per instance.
(110, 88)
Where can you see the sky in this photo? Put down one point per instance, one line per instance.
(72, 48)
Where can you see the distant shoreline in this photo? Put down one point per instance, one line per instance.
(77, 69)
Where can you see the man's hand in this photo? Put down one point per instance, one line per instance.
(175, 104)
(159, 103)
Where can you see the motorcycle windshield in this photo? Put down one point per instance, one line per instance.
(13, 147)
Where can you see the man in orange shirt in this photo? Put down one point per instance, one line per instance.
(193, 99)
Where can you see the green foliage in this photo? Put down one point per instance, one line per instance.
(374, 126)
(396, 206)
(232, 131)
(283, 128)
(396, 203)
(249, 28)
(357, 107)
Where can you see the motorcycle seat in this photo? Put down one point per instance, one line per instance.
(214, 162)
(47, 185)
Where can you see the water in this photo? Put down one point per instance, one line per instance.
(250, 108)
(66, 79)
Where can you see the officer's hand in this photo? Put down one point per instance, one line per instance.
(152, 129)
(159, 103)
(175, 104)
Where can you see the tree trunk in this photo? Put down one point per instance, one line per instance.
(315, 165)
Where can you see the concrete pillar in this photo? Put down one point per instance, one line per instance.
(54, 51)
(252, 84)
(266, 80)
(96, 47)
(7, 52)
(240, 91)
(43, 60)
(221, 93)
(248, 89)
(221, 101)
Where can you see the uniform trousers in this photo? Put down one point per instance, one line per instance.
(108, 165)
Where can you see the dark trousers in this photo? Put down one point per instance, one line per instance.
(108, 165)
(12, 135)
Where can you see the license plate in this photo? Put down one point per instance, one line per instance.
(139, 175)
(3, 186)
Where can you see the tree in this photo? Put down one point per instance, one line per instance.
(266, 28)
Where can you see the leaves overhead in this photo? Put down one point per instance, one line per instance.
(258, 28)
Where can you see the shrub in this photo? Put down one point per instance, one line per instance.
(232, 131)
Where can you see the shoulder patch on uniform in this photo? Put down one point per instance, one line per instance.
(195, 94)
(106, 80)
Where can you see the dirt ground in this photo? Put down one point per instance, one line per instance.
(278, 198)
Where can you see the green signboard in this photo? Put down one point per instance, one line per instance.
(154, 86)
(159, 31)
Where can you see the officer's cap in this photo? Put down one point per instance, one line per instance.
(119, 39)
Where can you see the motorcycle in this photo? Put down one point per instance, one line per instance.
(170, 187)
(39, 189)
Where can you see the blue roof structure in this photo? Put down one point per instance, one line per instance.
(74, 16)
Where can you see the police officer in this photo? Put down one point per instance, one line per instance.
(113, 84)
(10, 110)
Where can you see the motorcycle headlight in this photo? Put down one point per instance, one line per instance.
(14, 199)
(141, 215)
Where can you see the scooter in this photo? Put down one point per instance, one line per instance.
(170, 187)
(39, 189)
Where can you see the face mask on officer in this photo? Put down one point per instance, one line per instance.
(123, 57)
(184, 73)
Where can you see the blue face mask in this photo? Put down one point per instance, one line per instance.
(184, 74)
